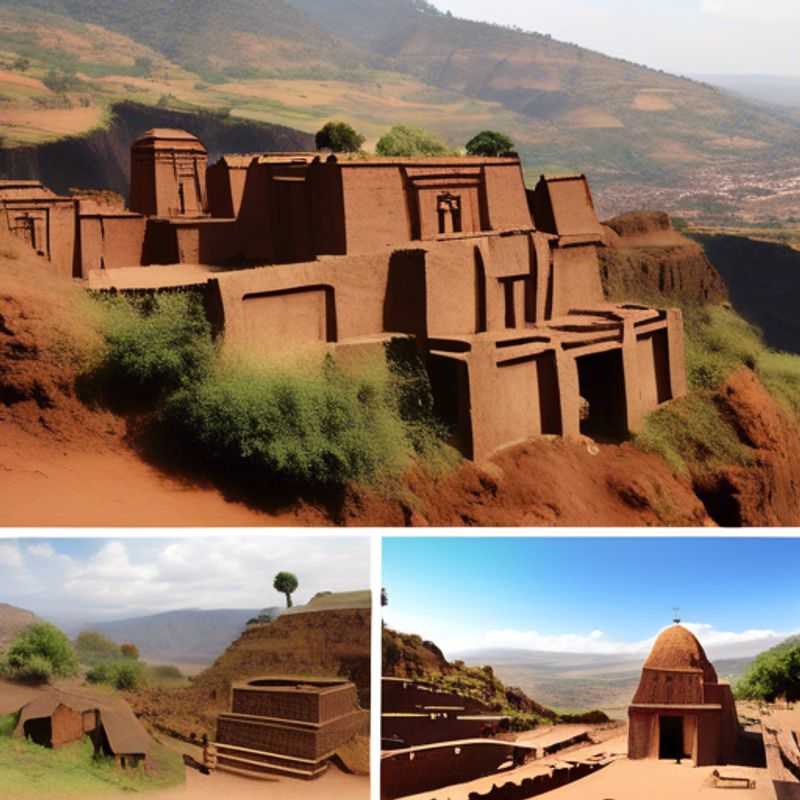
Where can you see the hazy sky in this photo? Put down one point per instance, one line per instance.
(681, 36)
(98, 579)
(592, 595)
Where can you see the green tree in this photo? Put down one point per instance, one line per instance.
(339, 137)
(92, 647)
(40, 649)
(286, 583)
(490, 144)
(774, 673)
(402, 140)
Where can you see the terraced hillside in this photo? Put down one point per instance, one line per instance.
(644, 137)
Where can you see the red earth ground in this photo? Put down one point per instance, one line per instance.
(65, 464)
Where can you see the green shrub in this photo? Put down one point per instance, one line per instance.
(154, 344)
(92, 648)
(166, 672)
(323, 426)
(39, 653)
(124, 674)
(35, 670)
(403, 140)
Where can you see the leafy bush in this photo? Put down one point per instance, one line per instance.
(323, 426)
(489, 143)
(339, 137)
(154, 344)
(773, 674)
(40, 653)
(166, 672)
(402, 140)
(125, 675)
(92, 648)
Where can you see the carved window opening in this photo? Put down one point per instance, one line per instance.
(448, 207)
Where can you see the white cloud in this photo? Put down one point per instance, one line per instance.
(10, 555)
(139, 576)
(42, 550)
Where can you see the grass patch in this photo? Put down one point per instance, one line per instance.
(29, 770)
(692, 434)
(7, 724)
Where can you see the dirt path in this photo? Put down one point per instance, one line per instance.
(333, 785)
(43, 486)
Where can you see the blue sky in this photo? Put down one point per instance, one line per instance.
(84, 580)
(684, 36)
(592, 595)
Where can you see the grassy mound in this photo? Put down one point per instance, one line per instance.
(693, 434)
(72, 772)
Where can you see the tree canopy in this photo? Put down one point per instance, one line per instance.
(403, 140)
(93, 647)
(286, 583)
(39, 653)
(774, 673)
(339, 137)
(490, 144)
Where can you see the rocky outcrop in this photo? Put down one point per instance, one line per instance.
(645, 259)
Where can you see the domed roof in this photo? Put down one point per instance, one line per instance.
(677, 648)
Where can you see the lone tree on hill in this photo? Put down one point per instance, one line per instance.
(404, 141)
(489, 143)
(339, 137)
(286, 583)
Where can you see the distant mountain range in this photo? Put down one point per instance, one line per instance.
(578, 681)
(190, 636)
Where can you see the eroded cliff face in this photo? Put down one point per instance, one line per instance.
(765, 492)
(645, 258)
(101, 159)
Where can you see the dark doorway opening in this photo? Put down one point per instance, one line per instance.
(670, 738)
(450, 386)
(601, 381)
(39, 731)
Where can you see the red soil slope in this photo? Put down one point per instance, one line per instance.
(63, 463)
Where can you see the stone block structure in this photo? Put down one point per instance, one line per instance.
(680, 709)
(287, 725)
(43, 219)
(415, 713)
(497, 285)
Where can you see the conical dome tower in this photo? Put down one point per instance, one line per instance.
(680, 709)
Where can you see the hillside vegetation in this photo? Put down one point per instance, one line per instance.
(408, 656)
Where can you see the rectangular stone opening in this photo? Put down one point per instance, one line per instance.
(670, 738)
(601, 380)
(451, 404)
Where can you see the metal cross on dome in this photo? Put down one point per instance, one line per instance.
(676, 617)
